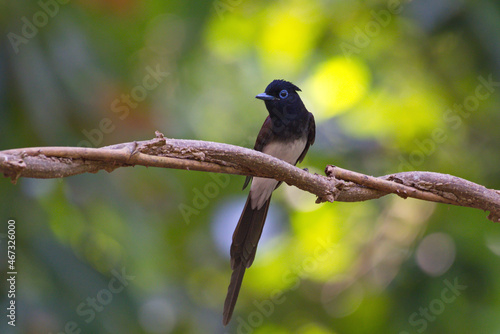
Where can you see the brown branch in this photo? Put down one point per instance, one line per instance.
(382, 184)
(339, 184)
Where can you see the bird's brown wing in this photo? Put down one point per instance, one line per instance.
(310, 138)
(264, 136)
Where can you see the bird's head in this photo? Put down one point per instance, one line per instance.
(281, 96)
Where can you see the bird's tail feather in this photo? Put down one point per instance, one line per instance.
(245, 239)
(247, 233)
(232, 292)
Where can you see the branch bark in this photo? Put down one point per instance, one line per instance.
(338, 184)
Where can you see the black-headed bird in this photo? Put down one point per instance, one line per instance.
(286, 134)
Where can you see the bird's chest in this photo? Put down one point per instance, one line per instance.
(288, 150)
(292, 127)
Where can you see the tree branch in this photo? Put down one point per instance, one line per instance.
(338, 184)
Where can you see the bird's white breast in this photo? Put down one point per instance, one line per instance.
(288, 152)
(262, 188)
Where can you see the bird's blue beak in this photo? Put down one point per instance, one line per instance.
(266, 97)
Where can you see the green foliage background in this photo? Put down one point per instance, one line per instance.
(386, 80)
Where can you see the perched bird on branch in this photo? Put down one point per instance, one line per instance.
(286, 134)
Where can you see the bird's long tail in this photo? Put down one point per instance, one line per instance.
(245, 239)
(232, 292)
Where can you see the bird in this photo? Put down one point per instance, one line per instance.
(287, 134)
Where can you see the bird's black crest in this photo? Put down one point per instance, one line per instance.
(278, 85)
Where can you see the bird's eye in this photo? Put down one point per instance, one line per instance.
(284, 94)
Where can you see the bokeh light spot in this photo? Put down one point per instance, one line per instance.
(157, 316)
(289, 36)
(436, 254)
(338, 84)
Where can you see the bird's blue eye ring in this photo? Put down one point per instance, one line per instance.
(284, 94)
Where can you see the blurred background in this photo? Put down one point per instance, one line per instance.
(394, 86)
